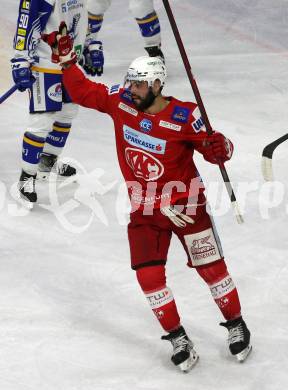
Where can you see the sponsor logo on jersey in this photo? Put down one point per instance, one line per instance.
(222, 287)
(198, 124)
(128, 109)
(55, 92)
(144, 141)
(160, 298)
(21, 31)
(114, 89)
(68, 5)
(26, 4)
(143, 164)
(180, 114)
(146, 125)
(78, 51)
(170, 125)
(203, 247)
(20, 43)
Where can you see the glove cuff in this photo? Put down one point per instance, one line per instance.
(69, 59)
(95, 45)
(19, 63)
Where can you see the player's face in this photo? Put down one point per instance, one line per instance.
(139, 91)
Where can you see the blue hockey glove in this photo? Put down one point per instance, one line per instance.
(93, 58)
(21, 73)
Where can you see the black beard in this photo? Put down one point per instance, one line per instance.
(146, 102)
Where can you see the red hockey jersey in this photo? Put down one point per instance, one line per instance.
(155, 152)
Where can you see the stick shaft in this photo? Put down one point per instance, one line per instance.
(198, 97)
(8, 93)
(188, 67)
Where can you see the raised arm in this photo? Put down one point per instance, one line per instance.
(81, 90)
(85, 92)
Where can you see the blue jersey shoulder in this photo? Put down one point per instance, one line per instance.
(32, 19)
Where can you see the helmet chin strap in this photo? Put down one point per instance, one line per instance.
(148, 101)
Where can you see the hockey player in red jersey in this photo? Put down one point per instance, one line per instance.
(156, 137)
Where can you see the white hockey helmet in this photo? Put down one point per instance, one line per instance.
(146, 69)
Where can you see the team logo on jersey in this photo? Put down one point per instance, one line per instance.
(198, 124)
(170, 125)
(180, 114)
(128, 109)
(146, 125)
(114, 89)
(143, 164)
(55, 92)
(144, 141)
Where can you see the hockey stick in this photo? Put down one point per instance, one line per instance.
(267, 154)
(201, 105)
(8, 93)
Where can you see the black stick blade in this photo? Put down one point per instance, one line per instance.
(267, 170)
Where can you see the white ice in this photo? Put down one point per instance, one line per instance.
(72, 316)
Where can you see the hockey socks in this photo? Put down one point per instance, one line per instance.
(160, 298)
(57, 138)
(222, 288)
(95, 22)
(150, 29)
(32, 149)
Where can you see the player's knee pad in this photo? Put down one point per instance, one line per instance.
(67, 114)
(40, 124)
(99, 7)
(213, 272)
(141, 8)
(151, 278)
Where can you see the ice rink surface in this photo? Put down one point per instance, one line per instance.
(72, 316)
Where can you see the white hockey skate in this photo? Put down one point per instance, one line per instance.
(184, 356)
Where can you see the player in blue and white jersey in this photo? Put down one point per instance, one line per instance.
(51, 110)
(145, 15)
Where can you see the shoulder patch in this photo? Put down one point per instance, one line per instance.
(180, 114)
(197, 123)
(114, 89)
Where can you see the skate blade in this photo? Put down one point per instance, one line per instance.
(242, 356)
(186, 366)
(21, 200)
(25, 202)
